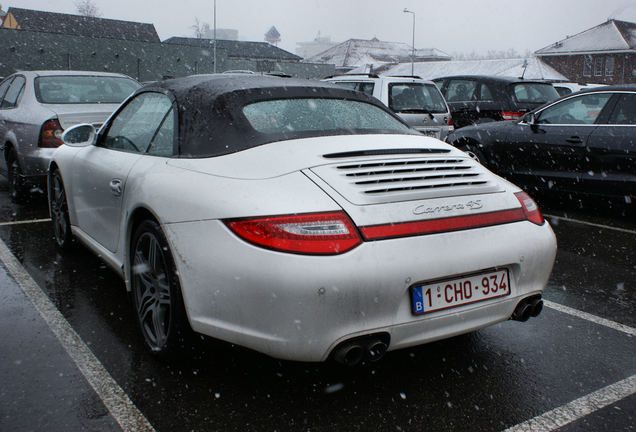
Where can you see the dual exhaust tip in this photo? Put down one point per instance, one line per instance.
(527, 308)
(369, 348)
(372, 348)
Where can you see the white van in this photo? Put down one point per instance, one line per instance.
(418, 102)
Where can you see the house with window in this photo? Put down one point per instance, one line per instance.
(605, 54)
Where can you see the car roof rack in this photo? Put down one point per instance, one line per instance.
(370, 75)
(406, 76)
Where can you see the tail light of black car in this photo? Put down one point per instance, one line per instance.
(51, 134)
(512, 115)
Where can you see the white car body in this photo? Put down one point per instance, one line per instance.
(295, 306)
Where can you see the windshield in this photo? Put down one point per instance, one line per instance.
(534, 93)
(416, 98)
(320, 115)
(82, 89)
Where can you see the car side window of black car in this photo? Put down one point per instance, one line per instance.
(625, 110)
(3, 89)
(583, 109)
(13, 93)
(460, 90)
(137, 123)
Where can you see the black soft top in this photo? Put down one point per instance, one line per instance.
(210, 108)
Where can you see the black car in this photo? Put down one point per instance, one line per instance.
(584, 143)
(475, 99)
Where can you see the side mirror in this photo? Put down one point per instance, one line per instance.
(79, 135)
(531, 119)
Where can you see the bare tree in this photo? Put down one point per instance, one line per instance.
(87, 8)
(202, 29)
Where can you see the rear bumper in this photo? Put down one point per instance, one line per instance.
(300, 307)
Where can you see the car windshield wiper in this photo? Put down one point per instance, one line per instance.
(417, 111)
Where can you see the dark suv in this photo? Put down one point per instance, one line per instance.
(474, 99)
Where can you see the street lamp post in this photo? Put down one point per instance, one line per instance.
(214, 55)
(413, 46)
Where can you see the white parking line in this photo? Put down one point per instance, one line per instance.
(589, 317)
(591, 224)
(578, 408)
(24, 222)
(115, 399)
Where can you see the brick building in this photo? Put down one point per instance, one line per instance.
(605, 54)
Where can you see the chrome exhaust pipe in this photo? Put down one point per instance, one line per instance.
(349, 354)
(528, 307)
(537, 307)
(376, 350)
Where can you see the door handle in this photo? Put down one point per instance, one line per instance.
(115, 187)
(574, 140)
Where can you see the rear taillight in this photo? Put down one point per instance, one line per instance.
(312, 234)
(51, 134)
(512, 115)
(450, 121)
(530, 208)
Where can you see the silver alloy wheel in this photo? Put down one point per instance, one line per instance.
(472, 154)
(151, 290)
(59, 212)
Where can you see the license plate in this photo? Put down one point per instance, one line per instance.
(450, 293)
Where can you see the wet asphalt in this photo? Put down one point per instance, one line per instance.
(483, 381)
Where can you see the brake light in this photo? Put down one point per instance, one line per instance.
(512, 115)
(450, 121)
(312, 234)
(530, 208)
(51, 134)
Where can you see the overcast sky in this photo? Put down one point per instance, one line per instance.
(453, 26)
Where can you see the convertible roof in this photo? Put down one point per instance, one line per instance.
(211, 119)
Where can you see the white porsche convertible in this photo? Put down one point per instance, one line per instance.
(296, 218)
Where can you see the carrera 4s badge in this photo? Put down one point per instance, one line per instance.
(470, 205)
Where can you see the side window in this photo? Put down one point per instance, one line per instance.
(484, 93)
(163, 142)
(3, 88)
(625, 110)
(366, 87)
(460, 90)
(136, 124)
(577, 110)
(11, 97)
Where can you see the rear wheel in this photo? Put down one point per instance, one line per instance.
(156, 292)
(59, 212)
(17, 191)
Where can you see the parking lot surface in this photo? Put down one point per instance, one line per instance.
(572, 368)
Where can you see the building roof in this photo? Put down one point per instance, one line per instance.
(612, 35)
(360, 52)
(79, 25)
(242, 49)
(534, 69)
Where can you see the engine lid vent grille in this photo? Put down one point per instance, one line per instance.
(391, 180)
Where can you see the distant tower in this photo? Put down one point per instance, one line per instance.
(272, 36)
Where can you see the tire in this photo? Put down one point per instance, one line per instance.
(59, 212)
(17, 191)
(156, 292)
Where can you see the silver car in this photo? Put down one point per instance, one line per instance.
(296, 218)
(418, 102)
(37, 106)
